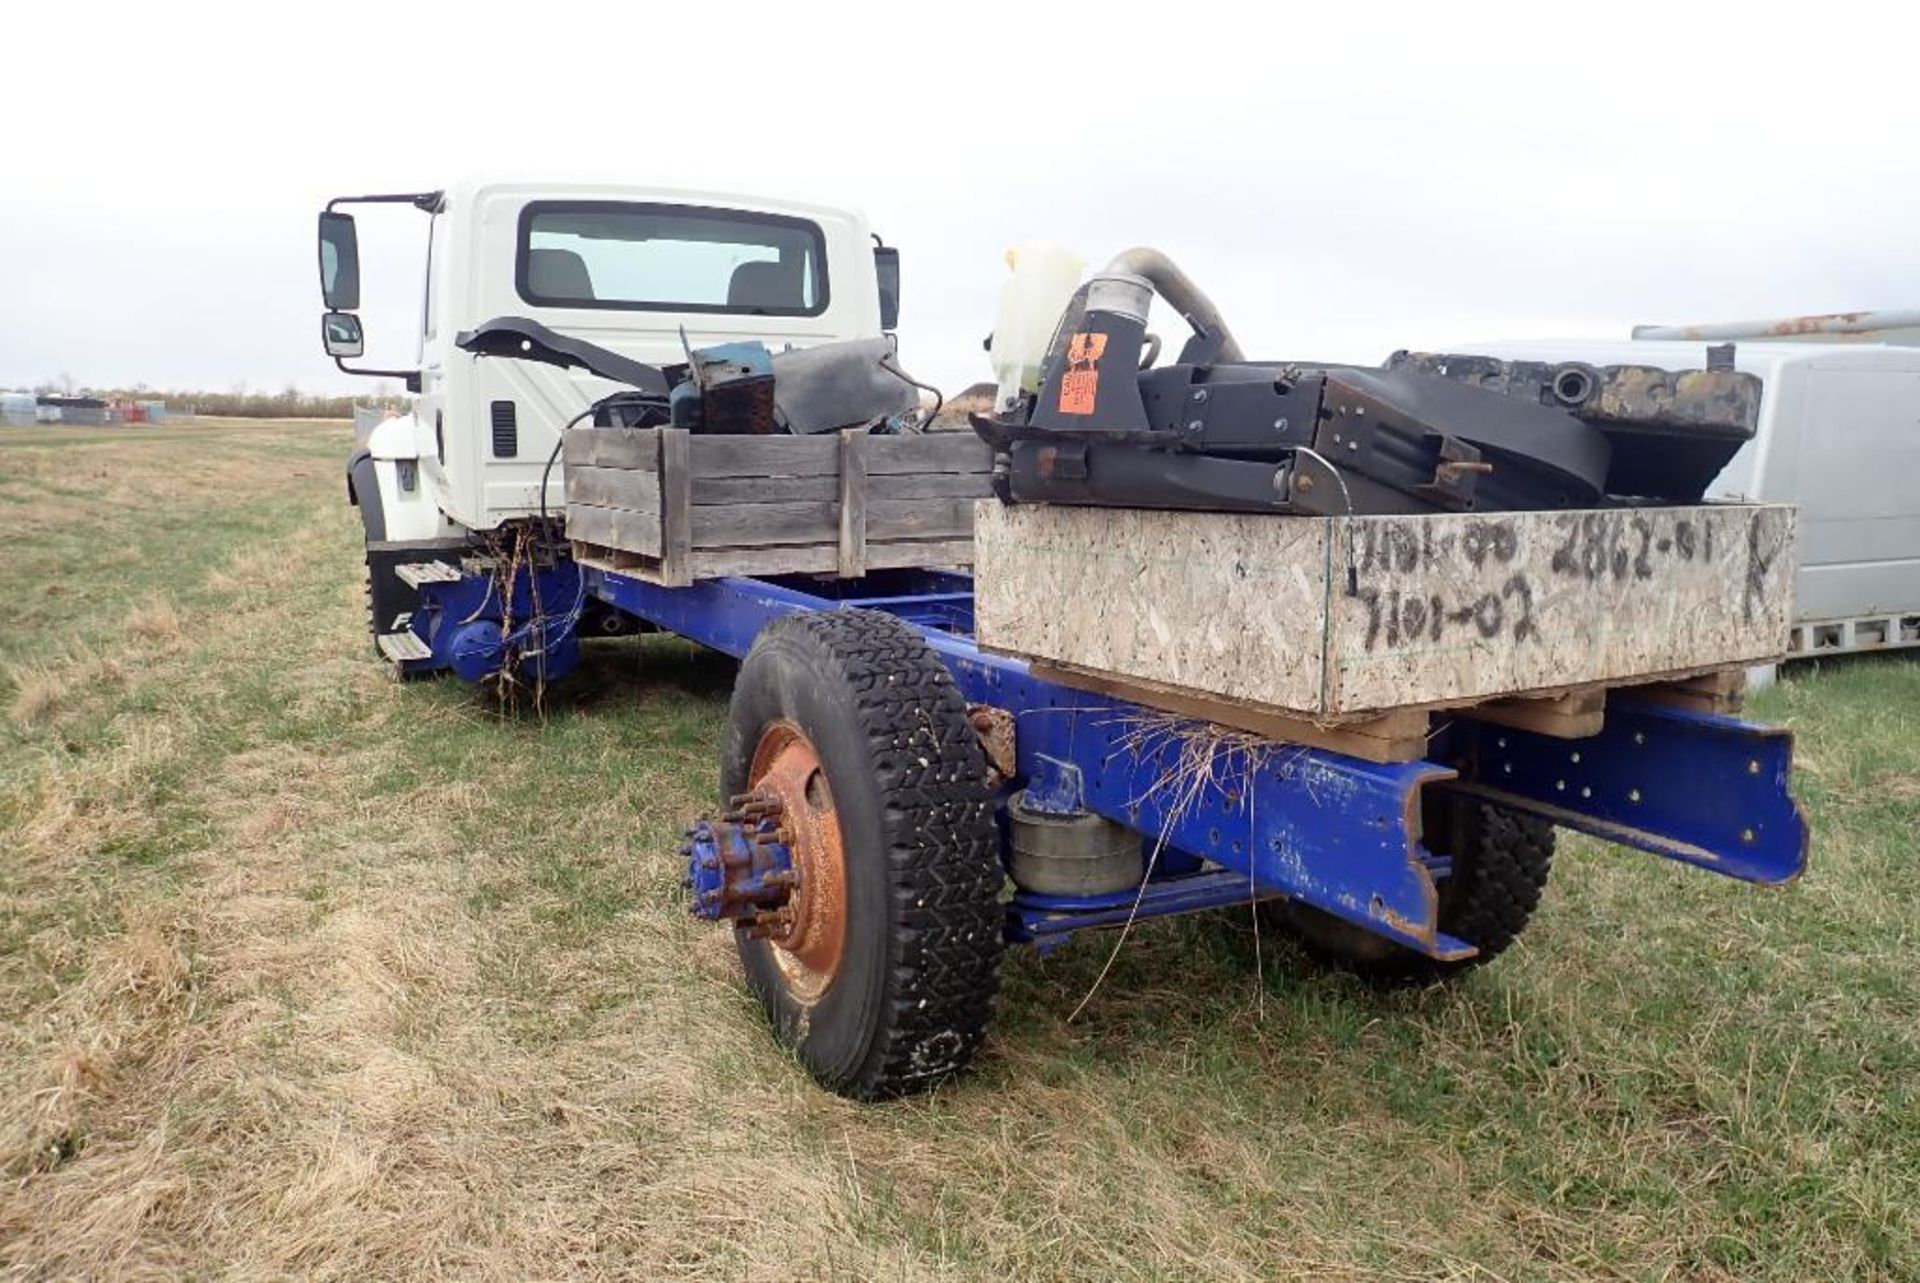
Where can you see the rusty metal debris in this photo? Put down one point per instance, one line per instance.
(995, 727)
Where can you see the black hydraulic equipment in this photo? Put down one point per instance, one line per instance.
(1423, 433)
(734, 389)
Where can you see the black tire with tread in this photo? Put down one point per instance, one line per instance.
(910, 1003)
(1501, 859)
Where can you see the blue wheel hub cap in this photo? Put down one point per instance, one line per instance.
(738, 868)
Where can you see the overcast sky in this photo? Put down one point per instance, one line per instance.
(1344, 179)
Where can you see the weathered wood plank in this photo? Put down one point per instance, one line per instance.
(716, 456)
(824, 558)
(714, 490)
(745, 456)
(1396, 736)
(919, 518)
(1575, 715)
(892, 554)
(781, 456)
(853, 504)
(626, 488)
(902, 485)
(783, 559)
(612, 448)
(1722, 692)
(1443, 609)
(931, 485)
(616, 528)
(745, 525)
(929, 452)
(592, 554)
(676, 506)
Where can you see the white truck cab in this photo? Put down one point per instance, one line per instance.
(645, 272)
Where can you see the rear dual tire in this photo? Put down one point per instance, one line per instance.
(1501, 859)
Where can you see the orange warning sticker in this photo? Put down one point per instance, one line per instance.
(1080, 386)
(1085, 349)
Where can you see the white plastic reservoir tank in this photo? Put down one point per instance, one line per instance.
(1044, 278)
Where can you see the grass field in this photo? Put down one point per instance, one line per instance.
(312, 974)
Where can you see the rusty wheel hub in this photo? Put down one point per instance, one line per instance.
(809, 933)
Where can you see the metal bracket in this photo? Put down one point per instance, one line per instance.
(1055, 787)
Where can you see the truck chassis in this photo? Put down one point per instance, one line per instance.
(1265, 821)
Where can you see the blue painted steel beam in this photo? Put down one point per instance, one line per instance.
(724, 614)
(1696, 787)
(1334, 831)
(1047, 921)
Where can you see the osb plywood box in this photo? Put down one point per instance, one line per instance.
(1342, 617)
(672, 507)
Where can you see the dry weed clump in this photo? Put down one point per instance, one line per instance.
(38, 694)
(41, 1127)
(1193, 758)
(155, 620)
(146, 967)
(58, 684)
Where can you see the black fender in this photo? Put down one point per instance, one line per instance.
(387, 597)
(363, 492)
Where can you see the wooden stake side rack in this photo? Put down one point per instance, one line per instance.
(670, 507)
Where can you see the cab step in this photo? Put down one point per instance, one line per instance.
(402, 646)
(415, 573)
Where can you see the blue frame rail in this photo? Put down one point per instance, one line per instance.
(1700, 788)
(1229, 819)
(1334, 831)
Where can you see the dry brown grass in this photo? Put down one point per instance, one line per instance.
(92, 1037)
(319, 976)
(155, 620)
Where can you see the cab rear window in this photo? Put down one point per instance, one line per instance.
(670, 258)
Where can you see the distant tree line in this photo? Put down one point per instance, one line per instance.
(240, 401)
